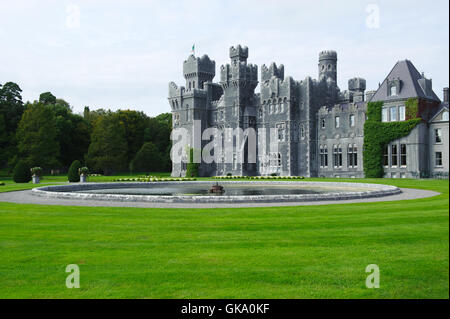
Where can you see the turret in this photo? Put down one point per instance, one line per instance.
(239, 54)
(356, 87)
(196, 71)
(268, 72)
(328, 65)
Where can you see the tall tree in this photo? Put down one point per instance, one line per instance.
(108, 149)
(73, 132)
(37, 137)
(47, 98)
(11, 110)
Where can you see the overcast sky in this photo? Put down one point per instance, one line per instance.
(122, 54)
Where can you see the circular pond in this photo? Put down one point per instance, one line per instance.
(233, 191)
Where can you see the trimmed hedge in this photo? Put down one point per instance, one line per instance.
(192, 168)
(21, 173)
(73, 175)
(378, 134)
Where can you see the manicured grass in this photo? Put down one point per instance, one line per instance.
(289, 252)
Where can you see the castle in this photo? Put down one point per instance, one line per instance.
(319, 128)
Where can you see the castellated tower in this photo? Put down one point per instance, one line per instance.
(198, 71)
(328, 66)
(356, 87)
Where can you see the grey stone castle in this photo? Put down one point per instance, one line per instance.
(319, 127)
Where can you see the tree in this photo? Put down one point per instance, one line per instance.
(47, 98)
(37, 137)
(148, 159)
(22, 173)
(73, 175)
(108, 149)
(73, 132)
(11, 110)
(158, 132)
(135, 124)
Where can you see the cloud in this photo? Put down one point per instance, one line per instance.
(124, 53)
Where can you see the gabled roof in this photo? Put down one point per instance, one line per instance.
(443, 107)
(410, 87)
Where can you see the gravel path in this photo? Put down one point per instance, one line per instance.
(25, 197)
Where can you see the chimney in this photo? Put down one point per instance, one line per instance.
(446, 95)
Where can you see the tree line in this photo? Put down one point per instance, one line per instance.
(47, 133)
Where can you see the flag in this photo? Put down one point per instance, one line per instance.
(193, 49)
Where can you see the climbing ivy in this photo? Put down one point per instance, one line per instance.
(378, 134)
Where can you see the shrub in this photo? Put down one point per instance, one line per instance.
(2, 184)
(192, 168)
(73, 175)
(147, 159)
(21, 173)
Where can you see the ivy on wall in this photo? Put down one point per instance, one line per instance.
(378, 134)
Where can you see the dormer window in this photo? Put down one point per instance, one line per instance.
(445, 116)
(393, 87)
(393, 91)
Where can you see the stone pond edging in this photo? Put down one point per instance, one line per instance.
(70, 192)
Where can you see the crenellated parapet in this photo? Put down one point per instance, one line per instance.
(276, 87)
(239, 74)
(238, 53)
(272, 71)
(195, 66)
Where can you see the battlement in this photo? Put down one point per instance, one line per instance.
(239, 53)
(199, 66)
(357, 85)
(328, 55)
(268, 72)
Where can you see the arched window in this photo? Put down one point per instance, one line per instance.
(193, 84)
(445, 116)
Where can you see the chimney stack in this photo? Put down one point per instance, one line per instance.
(446, 94)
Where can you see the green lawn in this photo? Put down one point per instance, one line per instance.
(289, 252)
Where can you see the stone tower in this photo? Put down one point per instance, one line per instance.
(328, 66)
(197, 71)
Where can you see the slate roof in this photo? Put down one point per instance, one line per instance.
(409, 76)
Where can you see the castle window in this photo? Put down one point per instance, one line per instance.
(385, 156)
(322, 123)
(337, 122)
(189, 85)
(438, 135)
(401, 113)
(302, 131)
(393, 90)
(393, 112)
(352, 155)
(352, 120)
(281, 128)
(438, 158)
(402, 154)
(275, 159)
(384, 115)
(337, 156)
(260, 112)
(323, 156)
(394, 155)
(329, 66)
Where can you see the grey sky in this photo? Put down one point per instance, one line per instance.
(122, 54)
